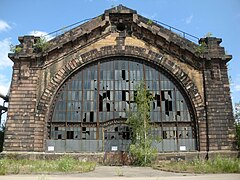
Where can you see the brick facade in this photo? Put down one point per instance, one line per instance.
(37, 76)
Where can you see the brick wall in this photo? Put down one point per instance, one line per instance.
(38, 76)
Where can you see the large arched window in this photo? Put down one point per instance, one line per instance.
(91, 106)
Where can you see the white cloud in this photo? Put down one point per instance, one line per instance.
(188, 20)
(4, 84)
(237, 87)
(4, 50)
(41, 34)
(4, 26)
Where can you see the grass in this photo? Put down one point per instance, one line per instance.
(65, 164)
(217, 165)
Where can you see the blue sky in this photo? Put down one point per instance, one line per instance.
(197, 17)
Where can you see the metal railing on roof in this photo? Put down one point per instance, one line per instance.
(65, 29)
(172, 29)
(179, 32)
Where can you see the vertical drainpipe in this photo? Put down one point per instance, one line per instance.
(206, 110)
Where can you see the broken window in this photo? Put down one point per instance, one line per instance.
(158, 98)
(123, 75)
(108, 106)
(59, 136)
(85, 117)
(91, 116)
(105, 91)
(164, 134)
(69, 134)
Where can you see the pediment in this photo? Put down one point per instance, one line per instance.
(123, 23)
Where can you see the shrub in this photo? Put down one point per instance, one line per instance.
(41, 44)
(66, 163)
(238, 135)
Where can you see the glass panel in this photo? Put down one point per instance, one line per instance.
(105, 91)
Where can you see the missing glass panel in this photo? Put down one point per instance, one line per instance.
(100, 102)
(123, 95)
(108, 106)
(169, 95)
(168, 105)
(163, 96)
(85, 117)
(59, 136)
(91, 116)
(164, 134)
(123, 75)
(69, 134)
(178, 113)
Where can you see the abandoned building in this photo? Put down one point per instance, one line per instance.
(75, 94)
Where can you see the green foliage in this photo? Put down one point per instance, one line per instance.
(237, 123)
(2, 167)
(217, 165)
(209, 34)
(201, 49)
(15, 49)
(150, 22)
(141, 148)
(66, 163)
(12, 165)
(41, 45)
(143, 154)
(238, 135)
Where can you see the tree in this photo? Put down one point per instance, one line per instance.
(2, 130)
(141, 148)
(237, 121)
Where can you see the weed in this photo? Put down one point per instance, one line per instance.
(2, 167)
(119, 172)
(41, 44)
(66, 163)
(150, 22)
(15, 49)
(201, 49)
(23, 166)
(217, 165)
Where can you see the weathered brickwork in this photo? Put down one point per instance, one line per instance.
(37, 77)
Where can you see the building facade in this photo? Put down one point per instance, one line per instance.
(75, 95)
